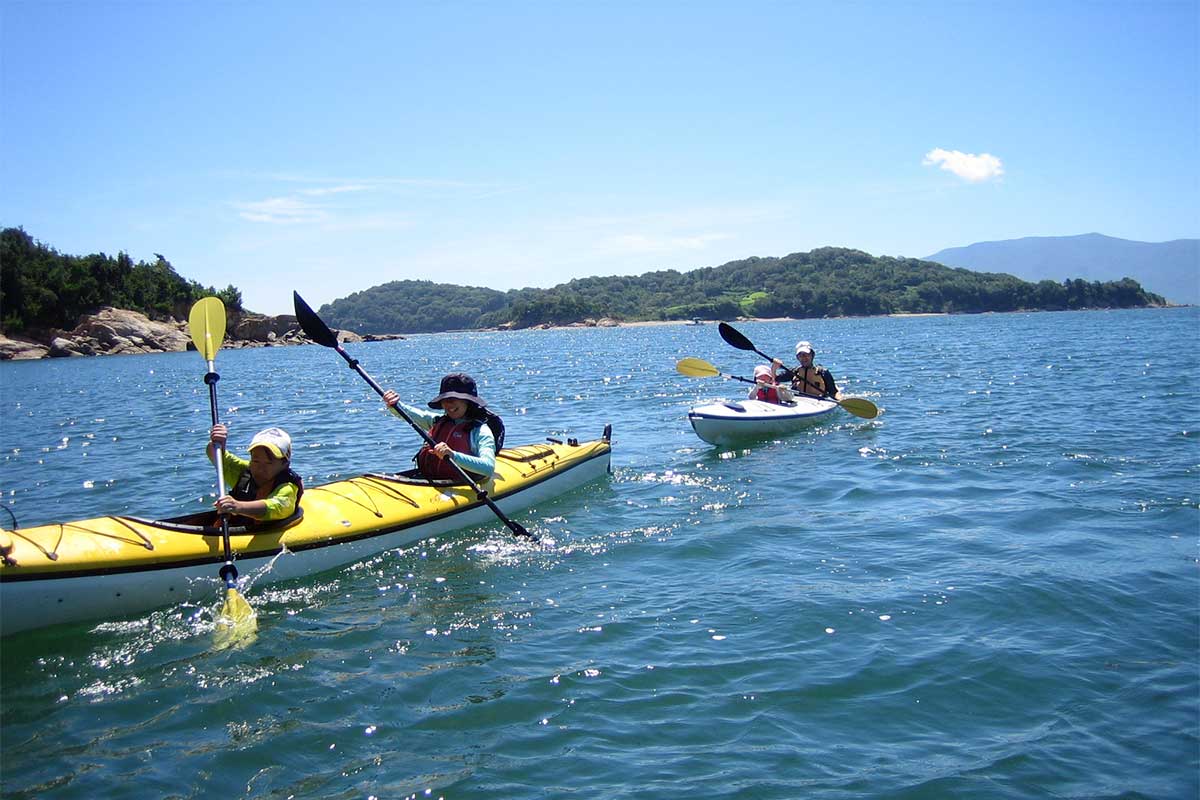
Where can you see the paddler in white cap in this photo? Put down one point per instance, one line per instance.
(807, 378)
(263, 489)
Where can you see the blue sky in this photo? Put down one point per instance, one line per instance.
(332, 146)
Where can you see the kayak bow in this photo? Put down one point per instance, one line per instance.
(733, 421)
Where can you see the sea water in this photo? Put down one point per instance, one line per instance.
(989, 591)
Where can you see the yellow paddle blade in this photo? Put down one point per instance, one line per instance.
(696, 368)
(860, 407)
(206, 324)
(237, 624)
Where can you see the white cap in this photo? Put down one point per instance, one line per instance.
(274, 439)
(762, 371)
(804, 347)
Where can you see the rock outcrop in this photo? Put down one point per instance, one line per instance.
(115, 331)
(21, 349)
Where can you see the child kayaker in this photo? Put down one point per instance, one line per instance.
(264, 488)
(765, 387)
(458, 431)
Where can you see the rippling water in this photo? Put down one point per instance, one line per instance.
(989, 591)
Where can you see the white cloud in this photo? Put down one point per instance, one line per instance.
(640, 243)
(968, 166)
(335, 190)
(281, 211)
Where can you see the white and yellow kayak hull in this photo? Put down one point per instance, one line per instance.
(109, 567)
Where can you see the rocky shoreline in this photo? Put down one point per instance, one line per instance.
(115, 331)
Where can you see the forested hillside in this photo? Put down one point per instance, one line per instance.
(829, 281)
(41, 288)
(413, 307)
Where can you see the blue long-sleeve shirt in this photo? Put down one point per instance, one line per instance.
(482, 459)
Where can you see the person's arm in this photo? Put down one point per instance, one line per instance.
(218, 435)
(483, 461)
(424, 417)
(782, 374)
(280, 504)
(232, 466)
(831, 389)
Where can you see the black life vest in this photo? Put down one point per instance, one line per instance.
(247, 489)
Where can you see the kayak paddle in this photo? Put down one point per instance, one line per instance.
(206, 323)
(698, 368)
(734, 337)
(855, 405)
(319, 332)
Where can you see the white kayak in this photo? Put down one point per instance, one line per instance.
(735, 421)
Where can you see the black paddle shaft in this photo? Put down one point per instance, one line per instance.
(228, 571)
(320, 333)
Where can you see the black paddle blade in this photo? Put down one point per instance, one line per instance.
(733, 337)
(311, 324)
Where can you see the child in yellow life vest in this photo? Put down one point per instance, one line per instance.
(263, 489)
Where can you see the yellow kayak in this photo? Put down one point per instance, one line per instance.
(110, 567)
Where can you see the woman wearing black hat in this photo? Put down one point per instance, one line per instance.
(458, 431)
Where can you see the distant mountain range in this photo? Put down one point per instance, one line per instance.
(1171, 269)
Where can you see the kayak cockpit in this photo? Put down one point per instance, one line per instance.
(205, 523)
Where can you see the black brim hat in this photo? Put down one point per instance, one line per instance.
(457, 385)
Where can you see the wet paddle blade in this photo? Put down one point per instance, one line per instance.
(734, 337)
(312, 325)
(860, 407)
(237, 623)
(696, 368)
(206, 324)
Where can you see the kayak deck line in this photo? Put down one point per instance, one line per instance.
(458, 495)
(250, 552)
(113, 566)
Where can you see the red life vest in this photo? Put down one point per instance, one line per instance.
(457, 436)
(768, 394)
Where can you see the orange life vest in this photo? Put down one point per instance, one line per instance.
(808, 381)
